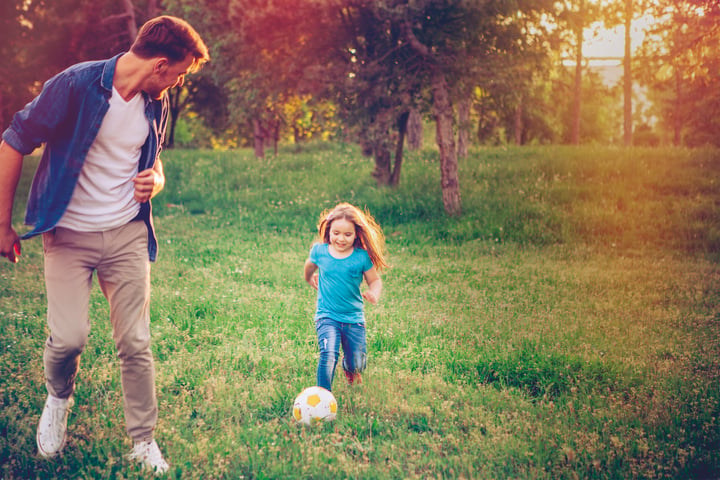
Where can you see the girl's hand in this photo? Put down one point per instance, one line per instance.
(370, 297)
(374, 282)
(314, 281)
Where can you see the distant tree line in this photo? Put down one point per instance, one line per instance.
(373, 72)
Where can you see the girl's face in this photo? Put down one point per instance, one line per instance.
(342, 235)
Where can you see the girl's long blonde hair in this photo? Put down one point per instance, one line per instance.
(368, 234)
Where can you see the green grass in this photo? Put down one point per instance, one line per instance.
(565, 326)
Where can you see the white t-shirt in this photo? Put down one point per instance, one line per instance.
(103, 197)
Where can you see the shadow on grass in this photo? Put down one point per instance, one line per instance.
(538, 374)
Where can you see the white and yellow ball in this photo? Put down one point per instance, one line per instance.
(315, 405)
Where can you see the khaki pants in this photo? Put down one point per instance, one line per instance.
(120, 258)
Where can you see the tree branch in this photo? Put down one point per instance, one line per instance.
(412, 40)
(116, 18)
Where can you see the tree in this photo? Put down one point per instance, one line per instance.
(573, 20)
(623, 13)
(576, 16)
(627, 76)
(579, 28)
(464, 107)
(208, 93)
(678, 63)
(39, 39)
(415, 130)
(444, 119)
(456, 44)
(380, 60)
(374, 93)
(16, 70)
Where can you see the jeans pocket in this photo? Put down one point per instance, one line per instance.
(322, 322)
(48, 239)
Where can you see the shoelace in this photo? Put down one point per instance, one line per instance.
(153, 454)
(148, 452)
(56, 415)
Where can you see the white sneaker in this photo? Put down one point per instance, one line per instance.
(52, 428)
(148, 454)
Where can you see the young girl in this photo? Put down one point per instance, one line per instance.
(351, 247)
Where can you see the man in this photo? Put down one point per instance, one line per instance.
(102, 124)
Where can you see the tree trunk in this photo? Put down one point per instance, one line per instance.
(415, 130)
(131, 23)
(577, 99)
(2, 110)
(443, 113)
(627, 80)
(487, 123)
(276, 137)
(463, 128)
(382, 165)
(677, 120)
(174, 98)
(519, 123)
(170, 142)
(258, 139)
(402, 125)
(177, 104)
(152, 9)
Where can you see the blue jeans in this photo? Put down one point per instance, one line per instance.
(331, 335)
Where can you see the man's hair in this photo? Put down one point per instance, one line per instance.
(170, 37)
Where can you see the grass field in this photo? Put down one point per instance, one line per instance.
(567, 325)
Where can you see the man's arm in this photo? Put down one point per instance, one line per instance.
(10, 170)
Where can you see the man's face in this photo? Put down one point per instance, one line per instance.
(167, 75)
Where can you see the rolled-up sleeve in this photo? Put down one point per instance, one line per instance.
(39, 120)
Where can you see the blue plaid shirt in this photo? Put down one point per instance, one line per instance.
(66, 117)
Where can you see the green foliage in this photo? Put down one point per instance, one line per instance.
(356, 55)
(679, 65)
(565, 326)
(190, 132)
(361, 57)
(39, 39)
(601, 113)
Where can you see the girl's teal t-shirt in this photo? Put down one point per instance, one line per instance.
(339, 283)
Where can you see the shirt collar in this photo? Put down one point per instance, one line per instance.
(109, 72)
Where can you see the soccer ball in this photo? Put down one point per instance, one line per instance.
(315, 405)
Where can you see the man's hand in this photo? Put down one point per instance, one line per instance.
(10, 244)
(147, 184)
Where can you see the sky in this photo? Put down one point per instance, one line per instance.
(611, 43)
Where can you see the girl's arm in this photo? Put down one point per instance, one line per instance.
(372, 294)
(309, 272)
